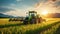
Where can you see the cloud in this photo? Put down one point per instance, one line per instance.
(21, 9)
(13, 5)
(16, 12)
(3, 9)
(57, 3)
(48, 5)
(18, 0)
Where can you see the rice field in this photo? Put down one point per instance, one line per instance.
(51, 26)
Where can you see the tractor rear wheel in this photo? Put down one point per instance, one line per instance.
(33, 21)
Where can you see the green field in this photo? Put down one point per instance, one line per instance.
(51, 26)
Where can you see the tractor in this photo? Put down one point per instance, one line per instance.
(32, 18)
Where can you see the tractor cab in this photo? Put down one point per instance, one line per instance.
(32, 13)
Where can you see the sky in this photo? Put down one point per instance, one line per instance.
(21, 7)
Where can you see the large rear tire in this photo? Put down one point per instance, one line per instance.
(33, 21)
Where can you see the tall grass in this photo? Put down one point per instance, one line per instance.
(52, 30)
(29, 28)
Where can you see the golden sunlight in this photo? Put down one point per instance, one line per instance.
(44, 12)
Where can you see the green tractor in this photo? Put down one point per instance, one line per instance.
(32, 18)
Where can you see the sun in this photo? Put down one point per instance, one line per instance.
(44, 12)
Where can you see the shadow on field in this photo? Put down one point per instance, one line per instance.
(57, 31)
(10, 25)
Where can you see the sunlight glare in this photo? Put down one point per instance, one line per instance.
(44, 12)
